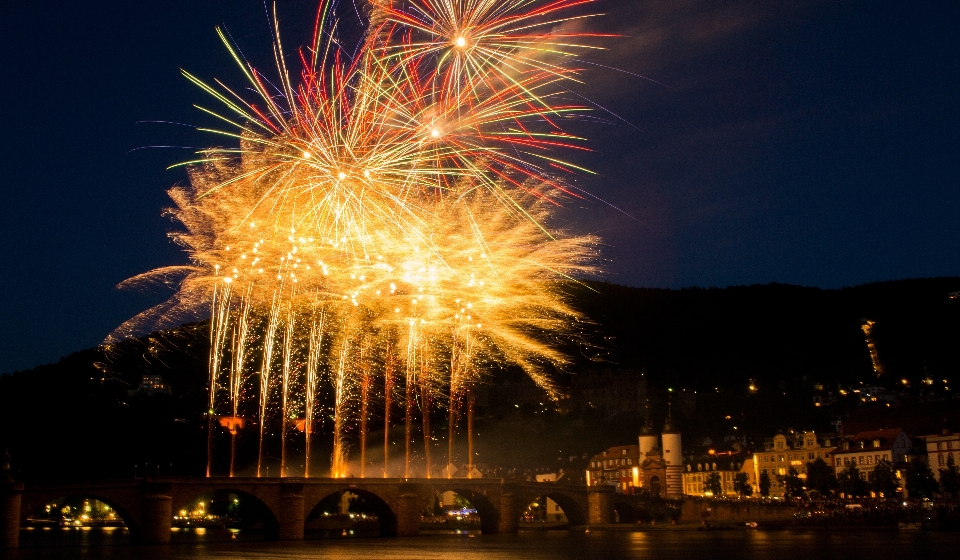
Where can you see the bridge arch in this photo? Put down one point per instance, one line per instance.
(255, 508)
(123, 511)
(624, 512)
(488, 512)
(368, 502)
(571, 506)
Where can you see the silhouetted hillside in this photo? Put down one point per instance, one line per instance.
(703, 338)
(75, 418)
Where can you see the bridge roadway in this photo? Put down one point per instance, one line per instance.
(147, 505)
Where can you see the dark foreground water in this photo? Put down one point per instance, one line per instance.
(666, 544)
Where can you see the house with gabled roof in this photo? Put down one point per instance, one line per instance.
(866, 449)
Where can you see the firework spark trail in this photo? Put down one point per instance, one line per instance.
(400, 198)
(426, 390)
(365, 364)
(265, 371)
(239, 350)
(388, 381)
(220, 305)
(315, 347)
(341, 381)
(410, 376)
(460, 378)
(288, 367)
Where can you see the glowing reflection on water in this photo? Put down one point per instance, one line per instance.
(652, 544)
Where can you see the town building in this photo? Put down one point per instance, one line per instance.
(747, 467)
(696, 471)
(866, 449)
(617, 466)
(151, 384)
(793, 449)
(650, 466)
(940, 448)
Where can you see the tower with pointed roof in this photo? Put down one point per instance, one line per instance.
(648, 439)
(672, 455)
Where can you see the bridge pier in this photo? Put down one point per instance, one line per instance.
(408, 515)
(509, 512)
(157, 514)
(599, 505)
(10, 511)
(291, 515)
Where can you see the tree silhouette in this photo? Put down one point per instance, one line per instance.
(714, 484)
(793, 485)
(821, 478)
(764, 484)
(883, 479)
(741, 486)
(950, 478)
(850, 482)
(920, 481)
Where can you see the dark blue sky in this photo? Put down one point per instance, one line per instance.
(813, 143)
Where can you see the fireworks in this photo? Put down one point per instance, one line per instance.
(380, 229)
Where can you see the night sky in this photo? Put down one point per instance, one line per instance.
(802, 142)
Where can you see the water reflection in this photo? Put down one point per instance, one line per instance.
(47, 543)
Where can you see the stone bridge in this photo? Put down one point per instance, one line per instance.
(147, 505)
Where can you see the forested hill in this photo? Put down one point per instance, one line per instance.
(704, 338)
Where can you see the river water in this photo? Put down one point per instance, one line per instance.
(655, 544)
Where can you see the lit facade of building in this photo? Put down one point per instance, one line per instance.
(866, 449)
(151, 384)
(695, 482)
(795, 450)
(617, 466)
(696, 471)
(940, 448)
